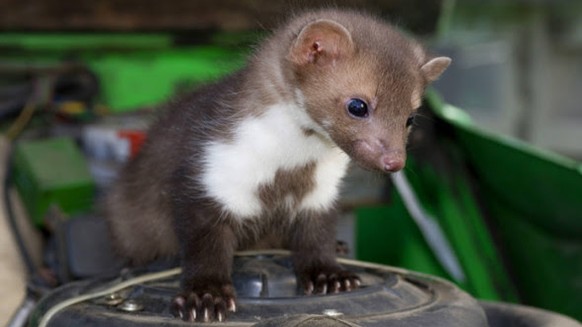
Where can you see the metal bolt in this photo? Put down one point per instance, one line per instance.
(113, 299)
(332, 313)
(130, 306)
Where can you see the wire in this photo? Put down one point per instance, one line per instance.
(20, 317)
(175, 271)
(42, 93)
(21, 121)
(429, 227)
(130, 282)
(44, 85)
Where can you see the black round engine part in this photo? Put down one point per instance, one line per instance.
(268, 296)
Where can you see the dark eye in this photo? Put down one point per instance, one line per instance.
(410, 120)
(358, 108)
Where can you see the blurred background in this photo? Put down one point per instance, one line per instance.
(495, 162)
(517, 63)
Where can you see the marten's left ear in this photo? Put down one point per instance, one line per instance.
(321, 42)
(434, 68)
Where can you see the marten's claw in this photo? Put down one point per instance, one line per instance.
(204, 306)
(330, 282)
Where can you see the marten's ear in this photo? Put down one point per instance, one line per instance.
(321, 42)
(434, 68)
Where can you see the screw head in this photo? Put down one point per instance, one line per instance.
(113, 299)
(130, 306)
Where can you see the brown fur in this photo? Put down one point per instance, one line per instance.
(296, 184)
(383, 70)
(318, 60)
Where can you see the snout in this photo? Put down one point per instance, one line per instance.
(375, 155)
(392, 162)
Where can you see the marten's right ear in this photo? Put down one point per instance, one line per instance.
(322, 42)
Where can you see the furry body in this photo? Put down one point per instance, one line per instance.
(261, 154)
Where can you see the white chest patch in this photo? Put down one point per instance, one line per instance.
(233, 171)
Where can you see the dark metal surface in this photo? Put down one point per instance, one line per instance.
(267, 289)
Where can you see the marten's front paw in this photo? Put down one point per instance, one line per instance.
(328, 281)
(209, 303)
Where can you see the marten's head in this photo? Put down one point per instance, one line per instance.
(361, 81)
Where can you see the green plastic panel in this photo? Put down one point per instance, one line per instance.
(147, 78)
(135, 70)
(388, 234)
(52, 172)
(512, 212)
(534, 202)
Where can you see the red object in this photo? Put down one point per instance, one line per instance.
(135, 137)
